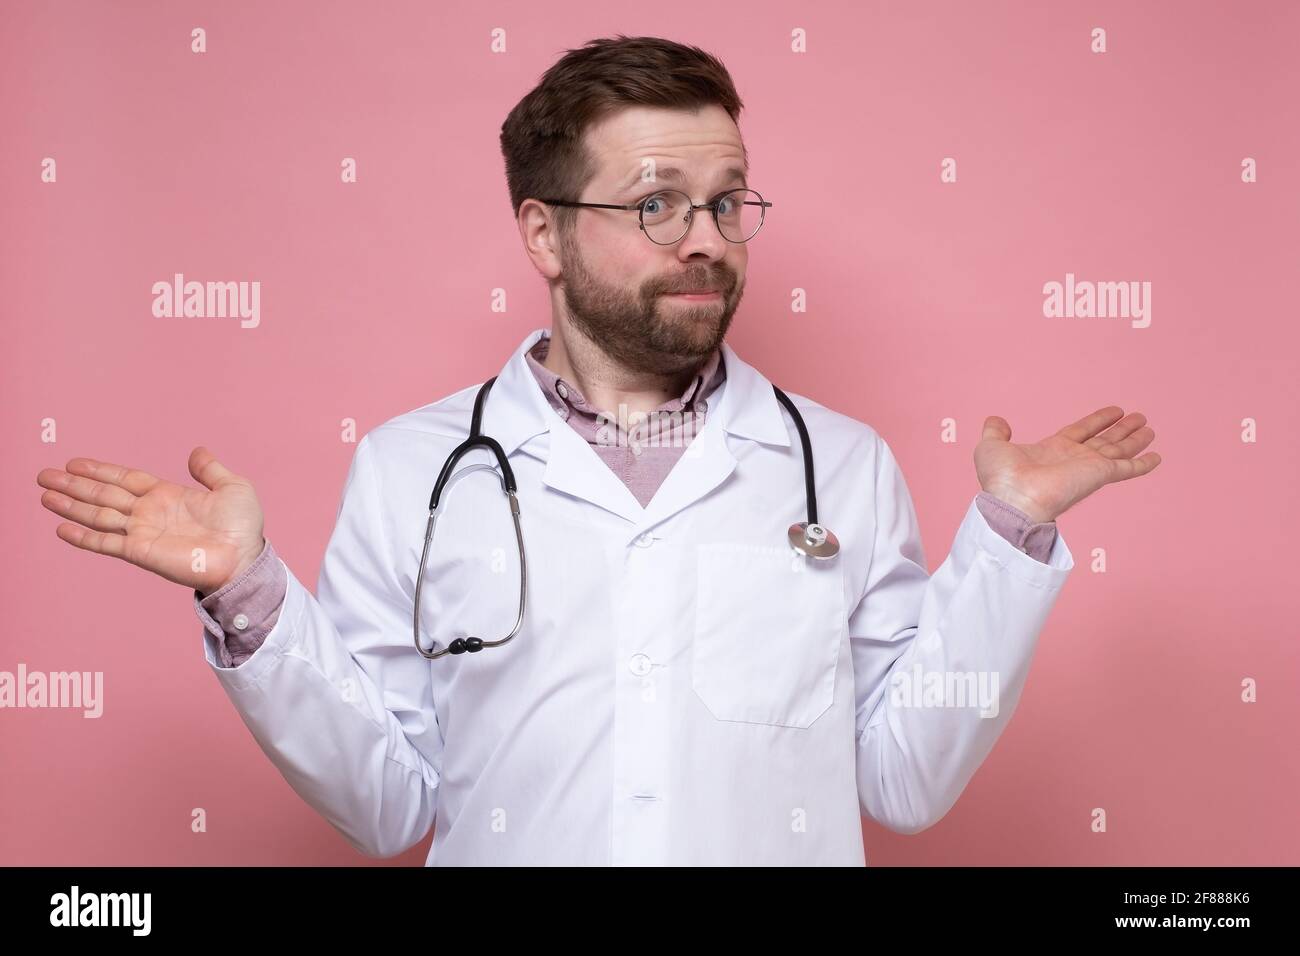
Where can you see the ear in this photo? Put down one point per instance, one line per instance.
(541, 237)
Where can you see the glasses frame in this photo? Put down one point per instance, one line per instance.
(711, 205)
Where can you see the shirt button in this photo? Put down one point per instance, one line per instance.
(702, 406)
(639, 665)
(562, 389)
(645, 539)
(240, 622)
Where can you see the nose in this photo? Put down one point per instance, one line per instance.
(702, 238)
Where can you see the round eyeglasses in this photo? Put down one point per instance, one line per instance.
(666, 216)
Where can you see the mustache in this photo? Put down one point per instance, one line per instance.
(718, 283)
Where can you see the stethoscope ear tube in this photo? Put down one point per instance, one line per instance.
(462, 645)
(476, 439)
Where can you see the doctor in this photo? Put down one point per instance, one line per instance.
(684, 688)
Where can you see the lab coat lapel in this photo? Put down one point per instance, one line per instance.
(574, 468)
(516, 411)
(748, 410)
(519, 417)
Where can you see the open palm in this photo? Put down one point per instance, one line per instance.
(198, 537)
(1045, 478)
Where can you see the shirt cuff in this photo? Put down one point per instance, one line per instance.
(1033, 538)
(242, 612)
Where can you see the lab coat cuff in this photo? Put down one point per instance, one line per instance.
(976, 536)
(1033, 538)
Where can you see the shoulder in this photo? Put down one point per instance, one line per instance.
(418, 440)
(445, 421)
(833, 433)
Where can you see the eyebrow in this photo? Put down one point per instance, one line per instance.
(671, 174)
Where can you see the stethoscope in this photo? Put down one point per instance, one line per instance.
(807, 537)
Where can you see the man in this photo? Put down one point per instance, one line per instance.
(683, 686)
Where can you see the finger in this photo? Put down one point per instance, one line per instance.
(96, 541)
(995, 426)
(1089, 425)
(86, 489)
(1130, 446)
(1126, 468)
(92, 516)
(1120, 430)
(133, 480)
(209, 472)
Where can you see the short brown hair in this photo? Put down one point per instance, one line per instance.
(541, 139)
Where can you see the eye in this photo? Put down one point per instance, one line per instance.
(653, 204)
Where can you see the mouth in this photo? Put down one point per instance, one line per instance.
(702, 295)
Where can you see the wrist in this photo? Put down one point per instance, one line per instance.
(1028, 506)
(246, 560)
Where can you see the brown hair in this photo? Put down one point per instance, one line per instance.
(541, 139)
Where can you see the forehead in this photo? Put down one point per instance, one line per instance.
(704, 144)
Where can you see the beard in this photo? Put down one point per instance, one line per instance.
(642, 331)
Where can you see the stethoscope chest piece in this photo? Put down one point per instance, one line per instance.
(814, 540)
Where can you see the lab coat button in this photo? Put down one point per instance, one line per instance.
(645, 539)
(240, 622)
(639, 665)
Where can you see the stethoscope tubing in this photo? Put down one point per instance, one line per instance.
(808, 537)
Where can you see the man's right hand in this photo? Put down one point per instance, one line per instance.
(165, 528)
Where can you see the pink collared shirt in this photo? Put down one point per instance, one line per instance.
(642, 452)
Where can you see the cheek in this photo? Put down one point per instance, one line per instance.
(618, 254)
(739, 261)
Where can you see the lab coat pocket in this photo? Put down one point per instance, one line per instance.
(768, 627)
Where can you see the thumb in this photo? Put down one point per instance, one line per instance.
(995, 426)
(206, 470)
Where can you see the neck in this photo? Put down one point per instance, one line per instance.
(604, 383)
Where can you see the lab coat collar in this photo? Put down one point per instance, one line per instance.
(517, 413)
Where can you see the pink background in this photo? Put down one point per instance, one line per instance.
(925, 302)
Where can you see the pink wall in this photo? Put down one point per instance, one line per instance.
(925, 303)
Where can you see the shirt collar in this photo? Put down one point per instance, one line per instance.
(518, 410)
(567, 400)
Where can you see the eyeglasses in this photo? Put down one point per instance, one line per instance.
(666, 216)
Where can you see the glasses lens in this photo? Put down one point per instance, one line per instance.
(740, 213)
(664, 215)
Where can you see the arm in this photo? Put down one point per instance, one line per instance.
(979, 615)
(336, 695)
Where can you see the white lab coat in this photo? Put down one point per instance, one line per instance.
(686, 689)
